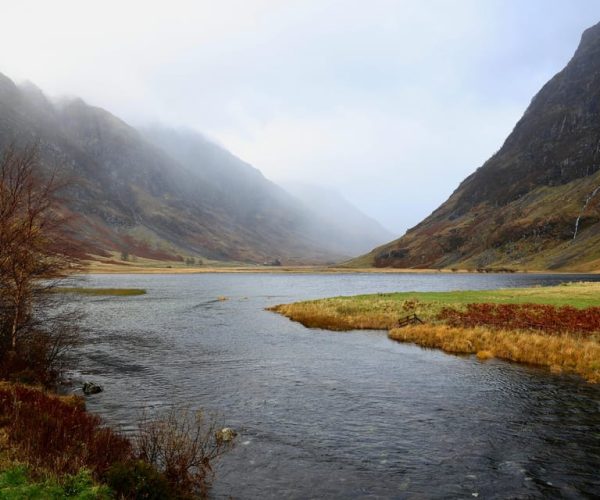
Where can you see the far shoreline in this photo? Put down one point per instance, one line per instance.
(95, 267)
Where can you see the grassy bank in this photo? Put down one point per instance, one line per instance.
(18, 483)
(382, 311)
(121, 292)
(556, 327)
(50, 447)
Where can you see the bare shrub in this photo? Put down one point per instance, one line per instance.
(183, 445)
(36, 331)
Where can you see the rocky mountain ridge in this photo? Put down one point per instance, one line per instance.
(533, 204)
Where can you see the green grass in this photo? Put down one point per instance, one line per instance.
(382, 311)
(564, 352)
(16, 484)
(574, 294)
(101, 291)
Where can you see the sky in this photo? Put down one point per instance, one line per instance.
(391, 103)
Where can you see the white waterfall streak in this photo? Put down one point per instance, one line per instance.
(587, 202)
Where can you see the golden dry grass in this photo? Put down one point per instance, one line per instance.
(560, 353)
(333, 316)
(383, 311)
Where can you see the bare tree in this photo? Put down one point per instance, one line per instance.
(35, 331)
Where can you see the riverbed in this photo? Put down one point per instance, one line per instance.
(339, 415)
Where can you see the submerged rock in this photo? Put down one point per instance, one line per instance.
(226, 434)
(90, 388)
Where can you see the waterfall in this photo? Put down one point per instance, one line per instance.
(587, 202)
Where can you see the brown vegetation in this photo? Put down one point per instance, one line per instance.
(557, 327)
(169, 457)
(544, 318)
(560, 353)
(57, 435)
(35, 333)
(182, 444)
(314, 315)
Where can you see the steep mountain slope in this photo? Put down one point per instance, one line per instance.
(535, 204)
(351, 228)
(323, 217)
(129, 195)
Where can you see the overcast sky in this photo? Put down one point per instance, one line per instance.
(392, 103)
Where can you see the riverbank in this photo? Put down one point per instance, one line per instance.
(512, 330)
(95, 267)
(139, 265)
(119, 292)
(51, 447)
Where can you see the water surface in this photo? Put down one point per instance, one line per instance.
(339, 415)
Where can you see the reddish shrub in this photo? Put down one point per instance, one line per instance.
(545, 318)
(57, 435)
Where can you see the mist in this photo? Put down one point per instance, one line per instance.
(390, 103)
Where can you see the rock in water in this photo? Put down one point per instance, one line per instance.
(226, 434)
(90, 388)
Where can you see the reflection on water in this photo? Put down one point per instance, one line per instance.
(339, 415)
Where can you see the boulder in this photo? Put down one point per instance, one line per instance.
(90, 388)
(226, 434)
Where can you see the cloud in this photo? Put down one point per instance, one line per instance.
(392, 102)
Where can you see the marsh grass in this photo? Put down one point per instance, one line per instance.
(101, 291)
(561, 351)
(383, 311)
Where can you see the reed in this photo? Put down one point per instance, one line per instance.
(557, 327)
(560, 353)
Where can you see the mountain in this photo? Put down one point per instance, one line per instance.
(160, 193)
(324, 216)
(535, 204)
(350, 228)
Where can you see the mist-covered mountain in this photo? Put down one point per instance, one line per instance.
(352, 229)
(161, 193)
(535, 204)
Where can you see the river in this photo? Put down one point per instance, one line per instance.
(339, 415)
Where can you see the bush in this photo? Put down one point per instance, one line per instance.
(182, 445)
(136, 479)
(58, 436)
(171, 456)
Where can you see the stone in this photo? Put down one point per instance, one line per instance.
(226, 434)
(90, 388)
